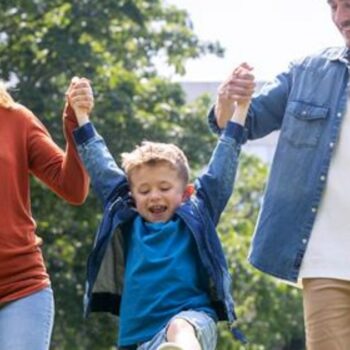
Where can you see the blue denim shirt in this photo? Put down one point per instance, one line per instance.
(307, 104)
(200, 213)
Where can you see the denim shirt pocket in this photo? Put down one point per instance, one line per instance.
(303, 123)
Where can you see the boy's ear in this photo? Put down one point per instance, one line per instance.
(188, 192)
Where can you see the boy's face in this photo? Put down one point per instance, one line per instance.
(157, 190)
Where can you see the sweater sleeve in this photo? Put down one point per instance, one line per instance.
(62, 171)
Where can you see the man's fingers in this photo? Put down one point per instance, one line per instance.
(245, 65)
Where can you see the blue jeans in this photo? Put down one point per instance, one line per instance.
(204, 326)
(26, 323)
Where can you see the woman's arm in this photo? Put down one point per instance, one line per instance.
(61, 170)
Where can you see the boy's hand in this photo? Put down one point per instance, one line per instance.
(80, 96)
(237, 90)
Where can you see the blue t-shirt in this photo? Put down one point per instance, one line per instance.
(163, 276)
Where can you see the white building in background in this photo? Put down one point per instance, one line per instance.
(264, 148)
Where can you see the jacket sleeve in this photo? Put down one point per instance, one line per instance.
(214, 187)
(106, 177)
(62, 171)
(266, 110)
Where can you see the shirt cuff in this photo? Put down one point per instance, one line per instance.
(234, 130)
(84, 133)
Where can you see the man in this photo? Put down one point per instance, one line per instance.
(303, 232)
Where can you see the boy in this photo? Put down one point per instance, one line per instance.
(157, 261)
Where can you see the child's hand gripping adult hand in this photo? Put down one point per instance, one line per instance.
(235, 95)
(80, 96)
(242, 104)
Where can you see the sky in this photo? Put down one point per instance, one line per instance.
(267, 34)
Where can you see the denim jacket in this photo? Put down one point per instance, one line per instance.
(307, 104)
(201, 213)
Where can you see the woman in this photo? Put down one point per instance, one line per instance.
(26, 298)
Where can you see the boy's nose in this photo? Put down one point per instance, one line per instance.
(154, 195)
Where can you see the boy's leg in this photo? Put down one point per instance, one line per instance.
(183, 334)
(327, 313)
(194, 326)
(27, 323)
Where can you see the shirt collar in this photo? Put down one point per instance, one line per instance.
(339, 54)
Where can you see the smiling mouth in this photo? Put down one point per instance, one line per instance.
(345, 29)
(158, 209)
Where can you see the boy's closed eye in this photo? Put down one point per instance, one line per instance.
(146, 191)
(143, 191)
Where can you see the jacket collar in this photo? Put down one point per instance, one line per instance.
(338, 54)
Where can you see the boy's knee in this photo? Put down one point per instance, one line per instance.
(179, 325)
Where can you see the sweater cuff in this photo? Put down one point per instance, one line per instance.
(234, 130)
(84, 133)
(213, 125)
(68, 113)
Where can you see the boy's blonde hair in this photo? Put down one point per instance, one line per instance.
(6, 100)
(152, 153)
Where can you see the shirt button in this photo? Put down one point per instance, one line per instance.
(303, 113)
(304, 240)
(331, 145)
(339, 115)
(313, 210)
(323, 178)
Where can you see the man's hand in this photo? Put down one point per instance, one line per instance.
(236, 90)
(80, 96)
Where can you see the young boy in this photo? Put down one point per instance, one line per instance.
(157, 261)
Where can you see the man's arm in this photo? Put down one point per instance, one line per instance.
(266, 110)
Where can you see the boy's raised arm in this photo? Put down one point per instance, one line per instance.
(215, 185)
(106, 177)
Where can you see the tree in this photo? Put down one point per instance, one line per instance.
(116, 44)
(269, 311)
(43, 44)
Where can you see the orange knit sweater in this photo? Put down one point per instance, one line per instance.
(27, 148)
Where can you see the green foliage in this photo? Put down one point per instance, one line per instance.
(43, 44)
(269, 311)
